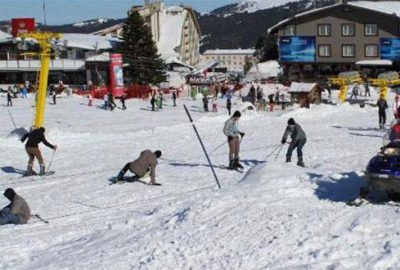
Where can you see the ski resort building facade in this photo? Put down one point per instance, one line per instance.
(175, 30)
(233, 60)
(362, 35)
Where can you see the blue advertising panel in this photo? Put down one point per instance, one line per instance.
(297, 49)
(390, 49)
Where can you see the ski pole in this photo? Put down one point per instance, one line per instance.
(12, 118)
(40, 218)
(280, 149)
(202, 146)
(51, 160)
(216, 149)
(272, 152)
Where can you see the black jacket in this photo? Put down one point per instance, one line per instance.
(34, 138)
(382, 105)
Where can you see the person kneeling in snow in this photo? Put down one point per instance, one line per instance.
(17, 212)
(147, 162)
(298, 141)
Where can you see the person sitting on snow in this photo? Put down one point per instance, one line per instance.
(147, 162)
(17, 212)
(299, 139)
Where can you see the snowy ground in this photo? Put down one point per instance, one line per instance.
(276, 216)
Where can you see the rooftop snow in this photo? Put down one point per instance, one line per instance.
(5, 37)
(89, 42)
(296, 87)
(377, 62)
(235, 51)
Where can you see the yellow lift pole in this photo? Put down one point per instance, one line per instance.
(45, 41)
(384, 85)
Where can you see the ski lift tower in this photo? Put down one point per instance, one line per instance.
(385, 80)
(46, 43)
(343, 80)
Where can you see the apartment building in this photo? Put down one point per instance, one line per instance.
(233, 60)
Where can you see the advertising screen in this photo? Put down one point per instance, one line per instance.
(390, 49)
(116, 75)
(297, 49)
(22, 25)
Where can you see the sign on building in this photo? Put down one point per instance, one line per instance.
(22, 25)
(297, 49)
(390, 49)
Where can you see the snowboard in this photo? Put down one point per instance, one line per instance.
(36, 174)
(114, 181)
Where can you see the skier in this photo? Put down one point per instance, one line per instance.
(32, 149)
(54, 97)
(111, 102)
(122, 100)
(396, 106)
(233, 133)
(367, 90)
(24, 92)
(355, 91)
(298, 141)
(17, 212)
(105, 105)
(153, 102)
(9, 98)
(228, 103)
(174, 98)
(205, 103)
(382, 106)
(147, 162)
(160, 100)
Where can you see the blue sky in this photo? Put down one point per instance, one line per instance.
(67, 11)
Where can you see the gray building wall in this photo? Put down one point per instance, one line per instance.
(388, 27)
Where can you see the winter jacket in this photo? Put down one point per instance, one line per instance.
(396, 105)
(231, 129)
(34, 138)
(20, 208)
(296, 133)
(382, 105)
(146, 161)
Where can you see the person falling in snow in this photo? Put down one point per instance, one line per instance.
(382, 106)
(32, 149)
(17, 212)
(299, 139)
(233, 133)
(147, 162)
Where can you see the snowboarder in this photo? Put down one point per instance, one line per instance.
(382, 106)
(32, 149)
(9, 98)
(298, 141)
(205, 103)
(174, 98)
(147, 162)
(233, 133)
(228, 104)
(17, 212)
(122, 100)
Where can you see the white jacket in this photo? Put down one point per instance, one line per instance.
(231, 129)
(396, 106)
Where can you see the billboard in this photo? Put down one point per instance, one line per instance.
(116, 75)
(22, 25)
(390, 49)
(297, 49)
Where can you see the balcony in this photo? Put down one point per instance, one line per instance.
(34, 65)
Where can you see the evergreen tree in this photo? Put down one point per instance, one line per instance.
(140, 52)
(267, 48)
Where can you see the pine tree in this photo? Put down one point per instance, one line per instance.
(140, 52)
(267, 48)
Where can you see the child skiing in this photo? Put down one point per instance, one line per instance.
(299, 139)
(233, 133)
(32, 149)
(17, 212)
(147, 162)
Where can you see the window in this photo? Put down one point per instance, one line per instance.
(349, 50)
(324, 50)
(371, 29)
(371, 50)
(289, 30)
(324, 29)
(348, 29)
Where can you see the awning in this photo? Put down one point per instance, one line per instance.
(378, 62)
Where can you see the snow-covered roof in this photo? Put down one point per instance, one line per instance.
(5, 37)
(296, 87)
(388, 7)
(265, 70)
(171, 27)
(176, 61)
(233, 51)
(377, 62)
(104, 57)
(89, 42)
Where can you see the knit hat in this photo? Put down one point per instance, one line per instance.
(237, 114)
(158, 153)
(291, 121)
(9, 194)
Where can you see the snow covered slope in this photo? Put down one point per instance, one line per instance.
(255, 5)
(276, 216)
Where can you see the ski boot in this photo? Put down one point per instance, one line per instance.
(231, 165)
(120, 176)
(236, 164)
(300, 162)
(288, 159)
(42, 170)
(29, 171)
